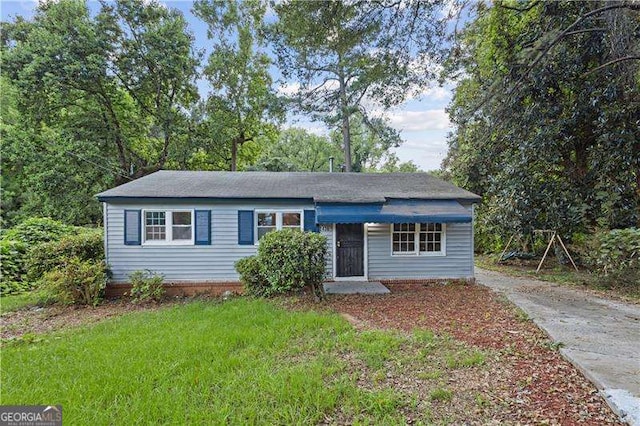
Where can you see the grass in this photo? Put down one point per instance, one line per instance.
(240, 361)
(13, 302)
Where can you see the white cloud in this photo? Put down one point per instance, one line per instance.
(415, 121)
(289, 89)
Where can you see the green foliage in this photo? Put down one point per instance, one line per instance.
(286, 260)
(92, 99)
(298, 150)
(549, 142)
(616, 257)
(79, 282)
(38, 230)
(290, 259)
(146, 286)
(243, 106)
(12, 269)
(88, 244)
(252, 279)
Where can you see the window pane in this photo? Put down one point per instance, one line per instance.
(182, 218)
(265, 230)
(154, 218)
(181, 232)
(412, 227)
(411, 246)
(266, 219)
(437, 247)
(155, 233)
(290, 219)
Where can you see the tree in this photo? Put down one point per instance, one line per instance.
(546, 128)
(297, 150)
(352, 56)
(92, 100)
(243, 104)
(125, 75)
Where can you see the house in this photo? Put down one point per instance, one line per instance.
(192, 226)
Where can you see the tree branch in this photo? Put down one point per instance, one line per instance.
(615, 61)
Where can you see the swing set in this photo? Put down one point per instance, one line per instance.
(554, 239)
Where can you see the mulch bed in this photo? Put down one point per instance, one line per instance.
(543, 388)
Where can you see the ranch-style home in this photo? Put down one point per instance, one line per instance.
(193, 226)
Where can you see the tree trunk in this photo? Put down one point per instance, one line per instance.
(234, 155)
(346, 130)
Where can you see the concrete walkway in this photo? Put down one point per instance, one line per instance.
(355, 287)
(600, 337)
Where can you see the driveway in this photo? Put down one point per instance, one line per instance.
(601, 337)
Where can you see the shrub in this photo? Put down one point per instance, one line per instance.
(12, 266)
(86, 245)
(37, 230)
(616, 257)
(146, 285)
(253, 281)
(286, 260)
(79, 282)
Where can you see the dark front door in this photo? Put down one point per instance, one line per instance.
(350, 250)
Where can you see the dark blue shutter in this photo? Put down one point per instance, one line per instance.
(203, 227)
(245, 227)
(310, 221)
(132, 228)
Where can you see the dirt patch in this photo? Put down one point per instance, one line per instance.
(531, 383)
(37, 320)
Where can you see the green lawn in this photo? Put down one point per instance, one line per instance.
(14, 302)
(240, 361)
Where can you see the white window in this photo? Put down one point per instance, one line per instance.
(418, 238)
(168, 227)
(267, 221)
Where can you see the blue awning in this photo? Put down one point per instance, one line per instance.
(394, 211)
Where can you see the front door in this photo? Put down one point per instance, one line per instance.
(350, 250)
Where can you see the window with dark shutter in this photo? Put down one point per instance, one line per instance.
(203, 227)
(310, 221)
(245, 227)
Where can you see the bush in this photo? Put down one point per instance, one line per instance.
(86, 245)
(37, 230)
(12, 267)
(254, 282)
(286, 260)
(146, 285)
(79, 282)
(616, 257)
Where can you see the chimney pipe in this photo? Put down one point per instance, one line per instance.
(330, 164)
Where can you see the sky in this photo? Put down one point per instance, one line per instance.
(421, 121)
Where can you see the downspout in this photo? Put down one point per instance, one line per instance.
(105, 225)
(473, 244)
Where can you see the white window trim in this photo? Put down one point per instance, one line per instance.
(169, 228)
(416, 236)
(278, 213)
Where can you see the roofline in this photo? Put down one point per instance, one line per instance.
(109, 198)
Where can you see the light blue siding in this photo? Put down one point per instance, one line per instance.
(185, 262)
(215, 262)
(457, 263)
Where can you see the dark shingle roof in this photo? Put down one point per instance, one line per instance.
(321, 187)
